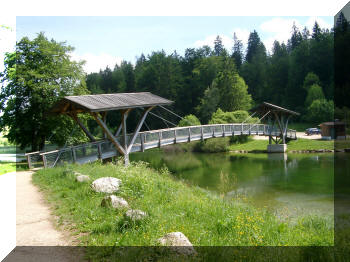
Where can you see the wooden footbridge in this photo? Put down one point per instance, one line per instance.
(117, 144)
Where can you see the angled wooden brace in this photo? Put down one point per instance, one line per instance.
(138, 127)
(126, 114)
(86, 131)
(109, 134)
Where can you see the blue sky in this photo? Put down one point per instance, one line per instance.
(103, 41)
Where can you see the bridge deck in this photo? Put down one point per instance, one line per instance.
(103, 149)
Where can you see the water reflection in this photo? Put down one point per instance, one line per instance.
(299, 183)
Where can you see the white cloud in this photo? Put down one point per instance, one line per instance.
(93, 62)
(323, 24)
(209, 41)
(227, 40)
(281, 29)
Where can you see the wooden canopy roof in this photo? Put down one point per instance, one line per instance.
(265, 107)
(107, 102)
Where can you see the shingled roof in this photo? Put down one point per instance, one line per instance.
(108, 102)
(265, 107)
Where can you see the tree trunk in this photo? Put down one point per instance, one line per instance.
(42, 143)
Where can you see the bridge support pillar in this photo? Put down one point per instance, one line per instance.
(276, 148)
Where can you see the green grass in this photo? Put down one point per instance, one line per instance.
(308, 144)
(300, 144)
(205, 218)
(7, 167)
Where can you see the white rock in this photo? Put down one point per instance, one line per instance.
(115, 202)
(178, 243)
(106, 185)
(82, 178)
(135, 215)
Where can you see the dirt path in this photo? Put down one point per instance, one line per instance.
(299, 135)
(37, 238)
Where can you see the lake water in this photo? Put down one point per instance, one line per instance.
(290, 185)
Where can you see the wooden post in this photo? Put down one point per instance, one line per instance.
(99, 150)
(189, 134)
(74, 155)
(126, 154)
(159, 139)
(175, 136)
(142, 142)
(44, 160)
(104, 118)
(202, 133)
(213, 129)
(136, 132)
(119, 129)
(223, 130)
(241, 128)
(29, 162)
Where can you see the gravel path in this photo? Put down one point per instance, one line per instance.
(36, 237)
(299, 135)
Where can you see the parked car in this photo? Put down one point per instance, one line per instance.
(312, 131)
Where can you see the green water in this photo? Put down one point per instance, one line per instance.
(289, 185)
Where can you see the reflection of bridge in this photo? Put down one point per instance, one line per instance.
(103, 149)
(99, 105)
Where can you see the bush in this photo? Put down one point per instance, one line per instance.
(214, 145)
(239, 139)
(190, 120)
(239, 116)
(320, 111)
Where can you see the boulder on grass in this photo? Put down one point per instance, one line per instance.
(106, 185)
(82, 178)
(135, 215)
(178, 243)
(114, 202)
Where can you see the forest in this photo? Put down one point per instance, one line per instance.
(294, 75)
(203, 83)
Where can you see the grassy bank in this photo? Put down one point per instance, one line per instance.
(295, 145)
(206, 219)
(7, 167)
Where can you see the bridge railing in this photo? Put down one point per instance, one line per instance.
(90, 152)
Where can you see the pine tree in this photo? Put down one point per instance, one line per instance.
(218, 46)
(237, 53)
(316, 32)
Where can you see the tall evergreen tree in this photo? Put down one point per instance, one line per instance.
(316, 32)
(237, 53)
(218, 46)
(254, 71)
(295, 39)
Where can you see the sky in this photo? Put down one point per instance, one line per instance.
(106, 40)
(102, 41)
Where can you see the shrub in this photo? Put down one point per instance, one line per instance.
(239, 139)
(190, 120)
(212, 145)
(239, 116)
(320, 111)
